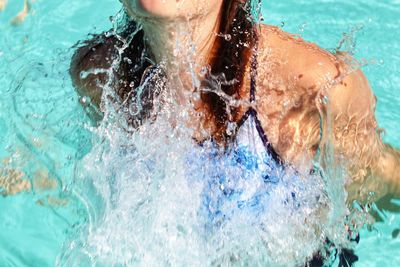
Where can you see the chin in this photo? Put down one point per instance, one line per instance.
(154, 8)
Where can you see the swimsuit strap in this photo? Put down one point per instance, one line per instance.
(253, 74)
(253, 112)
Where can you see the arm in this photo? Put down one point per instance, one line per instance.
(388, 167)
(373, 165)
(349, 121)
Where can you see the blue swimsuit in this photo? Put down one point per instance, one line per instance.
(240, 180)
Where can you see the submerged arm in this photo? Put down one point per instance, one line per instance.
(373, 165)
(388, 168)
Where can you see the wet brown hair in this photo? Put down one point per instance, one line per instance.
(230, 55)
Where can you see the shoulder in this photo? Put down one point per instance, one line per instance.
(94, 58)
(307, 66)
(295, 58)
(89, 57)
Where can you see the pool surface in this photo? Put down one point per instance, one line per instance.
(45, 134)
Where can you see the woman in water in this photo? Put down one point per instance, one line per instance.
(295, 96)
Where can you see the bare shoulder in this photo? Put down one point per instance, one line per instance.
(297, 59)
(306, 65)
(293, 77)
(89, 59)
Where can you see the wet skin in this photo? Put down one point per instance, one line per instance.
(169, 9)
(301, 89)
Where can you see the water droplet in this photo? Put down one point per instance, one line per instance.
(83, 74)
(127, 60)
(325, 100)
(302, 27)
(231, 128)
(203, 71)
(84, 100)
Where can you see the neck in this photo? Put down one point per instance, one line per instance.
(183, 43)
(183, 47)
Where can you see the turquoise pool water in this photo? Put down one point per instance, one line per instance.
(45, 135)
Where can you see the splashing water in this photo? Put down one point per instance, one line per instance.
(161, 205)
(152, 195)
(155, 197)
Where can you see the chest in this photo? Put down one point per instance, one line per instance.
(289, 116)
